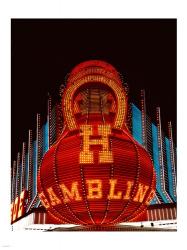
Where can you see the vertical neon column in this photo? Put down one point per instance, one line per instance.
(26, 171)
(18, 175)
(156, 162)
(170, 172)
(49, 120)
(13, 192)
(23, 161)
(45, 136)
(35, 168)
(172, 161)
(30, 167)
(137, 124)
(161, 166)
(143, 116)
(147, 135)
(38, 141)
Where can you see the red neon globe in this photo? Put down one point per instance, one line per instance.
(96, 173)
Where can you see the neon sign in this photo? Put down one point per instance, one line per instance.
(18, 206)
(105, 155)
(94, 191)
(96, 173)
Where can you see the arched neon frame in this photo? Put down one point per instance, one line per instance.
(70, 91)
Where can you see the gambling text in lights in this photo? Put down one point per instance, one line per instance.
(95, 192)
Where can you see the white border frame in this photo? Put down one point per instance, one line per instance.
(86, 9)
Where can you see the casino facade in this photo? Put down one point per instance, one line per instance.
(96, 160)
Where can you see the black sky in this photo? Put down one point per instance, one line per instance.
(44, 51)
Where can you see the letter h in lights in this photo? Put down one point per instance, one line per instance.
(86, 156)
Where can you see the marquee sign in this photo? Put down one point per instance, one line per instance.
(96, 173)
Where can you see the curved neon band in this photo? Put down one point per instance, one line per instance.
(68, 97)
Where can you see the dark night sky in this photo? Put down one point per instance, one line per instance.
(44, 51)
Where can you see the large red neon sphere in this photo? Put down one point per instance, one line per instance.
(96, 173)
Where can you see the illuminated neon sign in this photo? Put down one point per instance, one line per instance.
(86, 155)
(94, 191)
(18, 206)
(95, 173)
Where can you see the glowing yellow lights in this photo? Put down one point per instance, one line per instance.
(93, 70)
(44, 200)
(94, 189)
(86, 156)
(128, 191)
(21, 204)
(15, 209)
(12, 210)
(73, 194)
(152, 194)
(112, 194)
(18, 206)
(120, 95)
(142, 190)
(53, 198)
